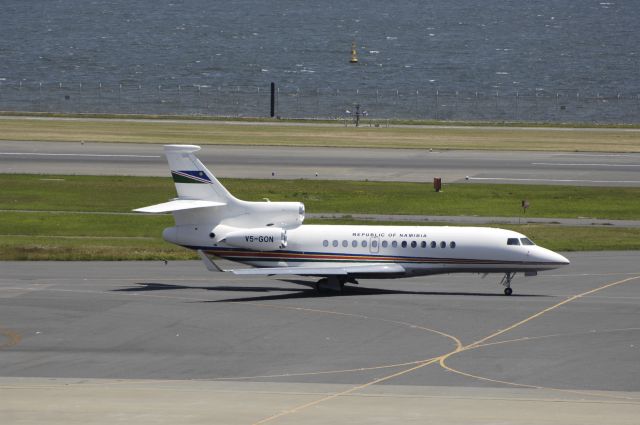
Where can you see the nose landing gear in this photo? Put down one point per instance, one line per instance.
(506, 282)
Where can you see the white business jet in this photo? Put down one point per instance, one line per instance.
(270, 237)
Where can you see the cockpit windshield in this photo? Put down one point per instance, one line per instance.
(521, 241)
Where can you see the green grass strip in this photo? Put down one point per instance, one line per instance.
(56, 248)
(104, 230)
(122, 194)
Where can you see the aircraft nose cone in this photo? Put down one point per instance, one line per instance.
(554, 257)
(564, 260)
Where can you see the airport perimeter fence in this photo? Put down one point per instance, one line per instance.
(322, 103)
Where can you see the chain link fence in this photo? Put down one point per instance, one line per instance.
(322, 103)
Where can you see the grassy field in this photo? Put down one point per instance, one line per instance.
(121, 194)
(363, 121)
(95, 223)
(243, 133)
(66, 238)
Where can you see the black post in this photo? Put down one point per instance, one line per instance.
(273, 99)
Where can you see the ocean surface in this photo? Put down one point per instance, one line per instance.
(586, 46)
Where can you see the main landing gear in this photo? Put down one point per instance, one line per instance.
(506, 282)
(333, 284)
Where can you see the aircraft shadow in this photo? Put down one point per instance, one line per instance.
(144, 287)
(295, 293)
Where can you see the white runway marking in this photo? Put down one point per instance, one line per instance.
(559, 164)
(81, 154)
(617, 155)
(555, 180)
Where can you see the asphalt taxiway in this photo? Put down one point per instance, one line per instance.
(103, 342)
(568, 168)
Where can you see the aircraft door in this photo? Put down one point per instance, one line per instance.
(374, 244)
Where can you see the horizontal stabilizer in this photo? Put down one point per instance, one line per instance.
(179, 204)
(324, 271)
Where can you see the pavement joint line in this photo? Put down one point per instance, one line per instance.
(100, 382)
(346, 392)
(441, 360)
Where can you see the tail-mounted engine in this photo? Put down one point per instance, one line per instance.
(287, 215)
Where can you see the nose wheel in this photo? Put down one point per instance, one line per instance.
(506, 282)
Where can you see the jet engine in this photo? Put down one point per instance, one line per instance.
(287, 215)
(259, 238)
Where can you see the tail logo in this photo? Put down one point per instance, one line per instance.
(190, 177)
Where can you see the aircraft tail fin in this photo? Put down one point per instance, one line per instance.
(191, 177)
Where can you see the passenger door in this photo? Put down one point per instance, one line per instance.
(374, 244)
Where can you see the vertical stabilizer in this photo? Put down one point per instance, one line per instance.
(191, 177)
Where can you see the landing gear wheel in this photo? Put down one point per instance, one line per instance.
(506, 282)
(319, 286)
(330, 285)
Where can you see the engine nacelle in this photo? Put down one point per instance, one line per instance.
(287, 215)
(259, 238)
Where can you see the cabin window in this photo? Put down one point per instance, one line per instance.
(325, 243)
(404, 244)
(385, 244)
(394, 244)
(345, 244)
(513, 241)
(354, 244)
(414, 244)
(452, 245)
(374, 244)
(364, 244)
(526, 241)
(433, 244)
(335, 243)
(443, 244)
(423, 244)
